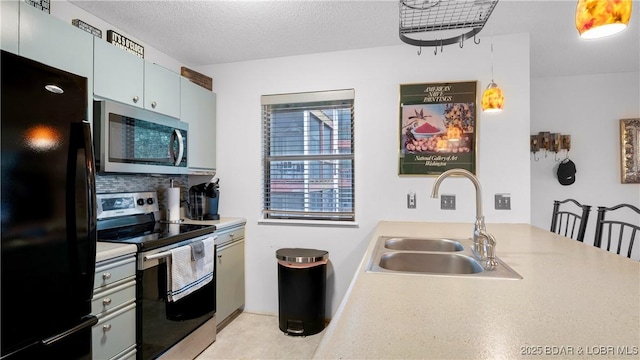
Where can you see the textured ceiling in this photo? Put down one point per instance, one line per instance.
(210, 32)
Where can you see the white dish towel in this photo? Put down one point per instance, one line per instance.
(185, 276)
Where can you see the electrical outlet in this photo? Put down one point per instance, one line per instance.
(503, 201)
(411, 200)
(448, 202)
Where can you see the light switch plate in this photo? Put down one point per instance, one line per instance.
(411, 200)
(503, 202)
(448, 202)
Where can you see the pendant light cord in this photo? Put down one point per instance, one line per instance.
(492, 54)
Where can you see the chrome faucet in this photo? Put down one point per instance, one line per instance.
(483, 243)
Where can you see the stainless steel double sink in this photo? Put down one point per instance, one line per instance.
(432, 256)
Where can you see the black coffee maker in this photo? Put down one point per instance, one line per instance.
(203, 201)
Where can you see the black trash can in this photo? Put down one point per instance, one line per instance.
(302, 283)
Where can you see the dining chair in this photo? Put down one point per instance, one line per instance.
(570, 221)
(617, 227)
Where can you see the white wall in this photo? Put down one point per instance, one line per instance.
(588, 108)
(375, 74)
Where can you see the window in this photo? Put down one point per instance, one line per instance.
(308, 156)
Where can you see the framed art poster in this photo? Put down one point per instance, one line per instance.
(437, 127)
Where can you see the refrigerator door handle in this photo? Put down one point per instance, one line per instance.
(92, 221)
(81, 205)
(88, 321)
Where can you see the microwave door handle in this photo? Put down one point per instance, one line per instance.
(180, 147)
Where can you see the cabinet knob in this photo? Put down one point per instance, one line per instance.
(153, 104)
(135, 99)
(106, 327)
(231, 234)
(106, 276)
(106, 301)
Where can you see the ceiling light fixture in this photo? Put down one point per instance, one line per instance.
(492, 98)
(599, 18)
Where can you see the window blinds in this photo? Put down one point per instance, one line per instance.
(308, 162)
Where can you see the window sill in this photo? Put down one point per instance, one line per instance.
(318, 223)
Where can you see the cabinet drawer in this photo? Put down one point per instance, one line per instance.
(113, 297)
(229, 235)
(110, 271)
(114, 333)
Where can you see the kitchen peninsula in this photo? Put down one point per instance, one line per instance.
(573, 301)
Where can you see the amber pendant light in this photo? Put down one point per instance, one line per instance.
(599, 18)
(492, 98)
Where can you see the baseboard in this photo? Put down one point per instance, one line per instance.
(229, 319)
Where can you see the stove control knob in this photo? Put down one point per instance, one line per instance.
(140, 202)
(150, 201)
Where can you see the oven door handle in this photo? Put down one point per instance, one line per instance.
(157, 255)
(164, 253)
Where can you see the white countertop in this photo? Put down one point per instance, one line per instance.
(223, 223)
(573, 300)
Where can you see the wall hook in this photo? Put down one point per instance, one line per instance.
(555, 156)
(420, 51)
(535, 157)
(440, 46)
(474, 40)
(435, 50)
(461, 42)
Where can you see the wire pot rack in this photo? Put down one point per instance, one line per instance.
(443, 22)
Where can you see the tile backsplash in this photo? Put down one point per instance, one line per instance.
(136, 183)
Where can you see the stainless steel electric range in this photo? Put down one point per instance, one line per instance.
(161, 325)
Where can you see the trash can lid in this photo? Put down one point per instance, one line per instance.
(297, 255)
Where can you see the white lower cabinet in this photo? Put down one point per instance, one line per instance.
(230, 292)
(114, 303)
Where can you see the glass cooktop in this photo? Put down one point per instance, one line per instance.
(152, 235)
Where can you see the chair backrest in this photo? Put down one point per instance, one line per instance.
(622, 232)
(572, 224)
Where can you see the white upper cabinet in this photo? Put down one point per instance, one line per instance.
(129, 79)
(118, 75)
(161, 90)
(198, 108)
(9, 25)
(51, 41)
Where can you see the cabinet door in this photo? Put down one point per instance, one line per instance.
(229, 280)
(198, 108)
(118, 75)
(161, 90)
(9, 25)
(49, 40)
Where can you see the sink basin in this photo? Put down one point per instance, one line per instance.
(444, 245)
(436, 263)
(432, 257)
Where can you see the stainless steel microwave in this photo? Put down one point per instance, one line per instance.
(133, 140)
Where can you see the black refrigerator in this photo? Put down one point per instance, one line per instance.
(47, 212)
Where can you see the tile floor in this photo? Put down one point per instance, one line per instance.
(256, 336)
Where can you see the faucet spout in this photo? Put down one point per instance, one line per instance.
(483, 242)
(468, 175)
